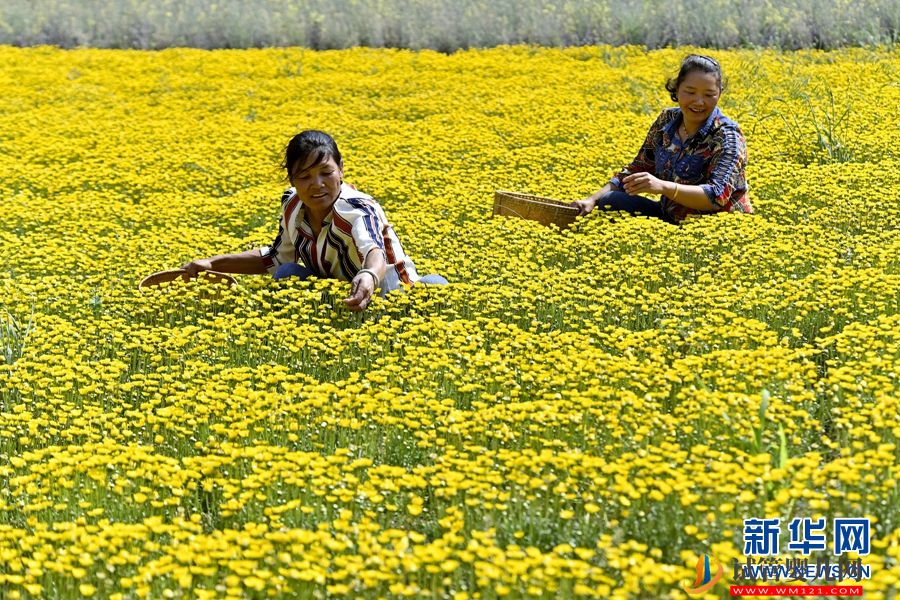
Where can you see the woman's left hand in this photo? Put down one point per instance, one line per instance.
(642, 183)
(361, 290)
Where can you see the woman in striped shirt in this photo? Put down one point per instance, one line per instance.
(693, 156)
(327, 229)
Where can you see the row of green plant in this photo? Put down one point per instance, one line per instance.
(447, 25)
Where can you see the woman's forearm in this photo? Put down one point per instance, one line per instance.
(375, 261)
(244, 263)
(691, 196)
(595, 197)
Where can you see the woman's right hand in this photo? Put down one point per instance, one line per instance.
(361, 289)
(584, 206)
(195, 266)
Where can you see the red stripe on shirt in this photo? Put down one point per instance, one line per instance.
(400, 266)
(289, 208)
(342, 224)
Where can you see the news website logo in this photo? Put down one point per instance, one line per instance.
(705, 576)
(804, 572)
(766, 572)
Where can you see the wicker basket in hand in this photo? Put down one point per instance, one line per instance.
(534, 208)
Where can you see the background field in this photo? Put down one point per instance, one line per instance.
(448, 25)
(581, 413)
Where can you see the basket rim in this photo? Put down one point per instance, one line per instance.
(542, 201)
(524, 196)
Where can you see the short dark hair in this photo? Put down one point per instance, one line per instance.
(305, 144)
(691, 63)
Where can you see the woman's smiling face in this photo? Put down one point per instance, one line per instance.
(698, 96)
(318, 182)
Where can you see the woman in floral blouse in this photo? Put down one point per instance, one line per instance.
(694, 156)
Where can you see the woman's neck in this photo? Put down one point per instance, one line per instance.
(689, 128)
(315, 217)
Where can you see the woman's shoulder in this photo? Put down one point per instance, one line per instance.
(351, 197)
(723, 123)
(350, 192)
(351, 200)
(288, 195)
(668, 115)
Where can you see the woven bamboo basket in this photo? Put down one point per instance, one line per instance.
(535, 208)
(167, 276)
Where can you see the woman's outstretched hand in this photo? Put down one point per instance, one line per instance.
(584, 206)
(195, 266)
(361, 290)
(643, 183)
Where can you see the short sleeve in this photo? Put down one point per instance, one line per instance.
(726, 171)
(367, 224)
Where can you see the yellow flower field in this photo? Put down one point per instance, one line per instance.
(582, 413)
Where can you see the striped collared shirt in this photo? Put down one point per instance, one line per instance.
(714, 158)
(355, 226)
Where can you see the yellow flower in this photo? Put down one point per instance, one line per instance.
(262, 439)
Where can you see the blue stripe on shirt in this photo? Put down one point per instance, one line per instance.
(346, 264)
(370, 219)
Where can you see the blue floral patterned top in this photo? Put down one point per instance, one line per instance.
(714, 158)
